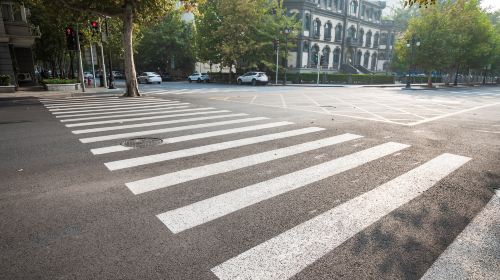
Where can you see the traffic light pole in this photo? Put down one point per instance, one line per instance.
(111, 78)
(317, 81)
(277, 61)
(92, 60)
(80, 64)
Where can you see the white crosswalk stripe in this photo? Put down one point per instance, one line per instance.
(121, 164)
(136, 112)
(290, 252)
(121, 148)
(120, 109)
(161, 116)
(147, 124)
(165, 130)
(170, 179)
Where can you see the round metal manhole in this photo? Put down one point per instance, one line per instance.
(141, 142)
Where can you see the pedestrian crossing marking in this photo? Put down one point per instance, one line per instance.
(120, 148)
(123, 105)
(138, 112)
(93, 103)
(138, 161)
(162, 116)
(210, 209)
(147, 124)
(186, 175)
(165, 130)
(285, 255)
(141, 106)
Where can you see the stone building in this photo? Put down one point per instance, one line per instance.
(349, 34)
(17, 37)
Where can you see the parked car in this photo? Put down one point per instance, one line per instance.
(253, 78)
(166, 77)
(149, 78)
(118, 75)
(88, 75)
(199, 77)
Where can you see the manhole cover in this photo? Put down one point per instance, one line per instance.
(141, 142)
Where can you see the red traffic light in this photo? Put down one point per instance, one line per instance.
(94, 24)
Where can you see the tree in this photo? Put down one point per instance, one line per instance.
(130, 12)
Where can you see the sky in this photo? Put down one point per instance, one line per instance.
(494, 4)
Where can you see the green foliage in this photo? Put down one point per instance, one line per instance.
(166, 44)
(241, 32)
(334, 78)
(4, 80)
(59, 81)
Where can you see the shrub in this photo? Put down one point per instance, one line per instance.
(59, 81)
(4, 80)
(335, 78)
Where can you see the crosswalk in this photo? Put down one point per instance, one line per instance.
(198, 90)
(102, 120)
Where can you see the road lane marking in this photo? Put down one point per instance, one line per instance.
(141, 112)
(93, 104)
(287, 254)
(142, 106)
(210, 209)
(165, 130)
(77, 99)
(120, 148)
(123, 105)
(474, 253)
(453, 114)
(161, 116)
(170, 179)
(488, 131)
(138, 161)
(147, 124)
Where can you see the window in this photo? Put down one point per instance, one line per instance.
(336, 56)
(383, 39)
(338, 32)
(375, 40)
(363, 8)
(368, 39)
(361, 36)
(7, 12)
(328, 31)
(307, 22)
(317, 28)
(314, 55)
(326, 56)
(366, 59)
(351, 33)
(354, 7)
(359, 54)
(374, 61)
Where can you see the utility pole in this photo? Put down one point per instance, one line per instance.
(92, 60)
(414, 41)
(287, 31)
(80, 64)
(103, 64)
(318, 59)
(277, 47)
(111, 79)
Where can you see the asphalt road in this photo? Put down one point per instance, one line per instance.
(252, 183)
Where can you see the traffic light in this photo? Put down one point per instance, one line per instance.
(315, 58)
(323, 60)
(70, 38)
(94, 27)
(276, 43)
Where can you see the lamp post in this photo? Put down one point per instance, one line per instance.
(286, 31)
(414, 41)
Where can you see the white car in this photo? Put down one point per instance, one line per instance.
(199, 77)
(149, 78)
(253, 78)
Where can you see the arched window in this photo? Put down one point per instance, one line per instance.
(374, 61)
(354, 7)
(359, 54)
(317, 28)
(307, 22)
(368, 39)
(328, 31)
(314, 55)
(326, 56)
(330, 4)
(336, 56)
(338, 32)
(375, 40)
(351, 33)
(361, 36)
(363, 9)
(336, 6)
(366, 58)
(381, 56)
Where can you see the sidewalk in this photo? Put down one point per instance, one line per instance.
(43, 93)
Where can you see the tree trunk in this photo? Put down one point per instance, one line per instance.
(429, 80)
(455, 83)
(130, 74)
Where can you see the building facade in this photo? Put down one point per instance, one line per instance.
(17, 37)
(349, 34)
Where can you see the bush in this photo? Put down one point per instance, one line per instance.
(335, 78)
(59, 81)
(4, 80)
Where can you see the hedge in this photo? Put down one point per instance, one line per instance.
(4, 80)
(306, 78)
(59, 81)
(422, 80)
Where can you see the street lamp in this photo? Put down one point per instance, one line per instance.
(411, 44)
(286, 31)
